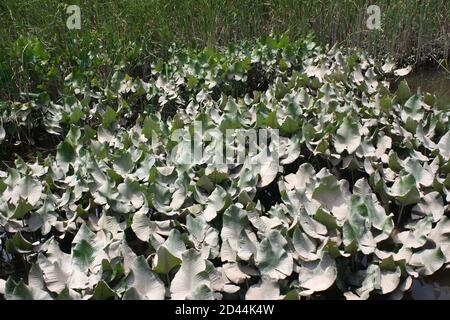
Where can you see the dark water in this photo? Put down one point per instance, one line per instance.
(430, 79)
(435, 287)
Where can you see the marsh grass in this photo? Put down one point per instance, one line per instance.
(411, 29)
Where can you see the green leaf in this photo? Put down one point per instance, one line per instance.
(65, 155)
(123, 163)
(430, 204)
(266, 289)
(109, 116)
(217, 201)
(272, 259)
(405, 191)
(129, 191)
(189, 278)
(23, 207)
(132, 294)
(144, 281)
(103, 292)
(83, 254)
(366, 213)
(332, 194)
(20, 291)
(304, 245)
(428, 261)
(348, 136)
(444, 146)
(416, 237)
(318, 275)
(234, 222)
(201, 292)
(141, 226)
(21, 244)
(165, 261)
(403, 92)
(28, 189)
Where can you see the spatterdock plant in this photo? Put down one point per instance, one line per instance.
(357, 199)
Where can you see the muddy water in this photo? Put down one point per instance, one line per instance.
(430, 79)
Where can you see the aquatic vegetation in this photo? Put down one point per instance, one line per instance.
(411, 30)
(357, 204)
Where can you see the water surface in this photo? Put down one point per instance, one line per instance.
(430, 79)
(435, 287)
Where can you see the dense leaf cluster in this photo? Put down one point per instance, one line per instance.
(358, 204)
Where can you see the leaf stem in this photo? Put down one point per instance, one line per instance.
(400, 215)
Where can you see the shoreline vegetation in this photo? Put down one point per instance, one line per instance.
(93, 204)
(356, 206)
(140, 31)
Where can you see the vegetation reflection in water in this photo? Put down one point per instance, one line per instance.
(431, 79)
